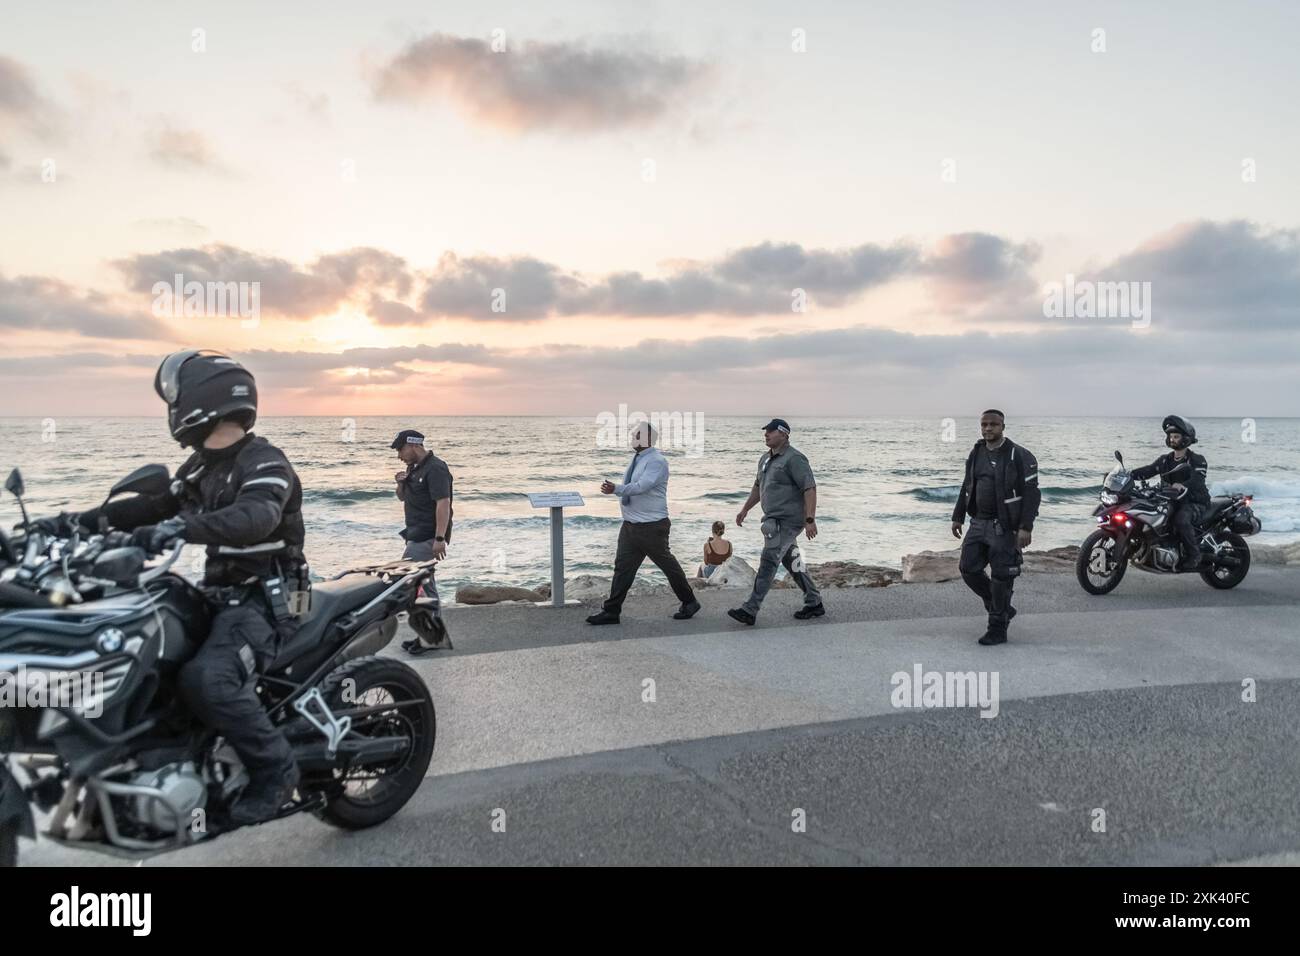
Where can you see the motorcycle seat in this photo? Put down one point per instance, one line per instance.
(1218, 505)
(329, 601)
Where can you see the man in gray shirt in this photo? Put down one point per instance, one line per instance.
(786, 487)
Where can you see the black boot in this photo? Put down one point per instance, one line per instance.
(267, 792)
(687, 611)
(603, 617)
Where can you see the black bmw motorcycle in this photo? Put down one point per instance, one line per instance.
(1134, 528)
(93, 732)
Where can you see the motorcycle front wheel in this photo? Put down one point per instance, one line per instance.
(372, 794)
(1098, 568)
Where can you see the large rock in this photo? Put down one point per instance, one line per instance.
(494, 594)
(1053, 560)
(850, 574)
(589, 587)
(930, 567)
(1285, 554)
(733, 573)
(934, 566)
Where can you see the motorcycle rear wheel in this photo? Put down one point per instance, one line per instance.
(373, 794)
(1093, 548)
(1225, 578)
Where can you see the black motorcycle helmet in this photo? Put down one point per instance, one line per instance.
(1173, 423)
(201, 388)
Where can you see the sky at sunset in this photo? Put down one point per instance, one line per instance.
(763, 208)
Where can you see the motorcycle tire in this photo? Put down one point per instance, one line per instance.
(1082, 566)
(366, 682)
(1225, 578)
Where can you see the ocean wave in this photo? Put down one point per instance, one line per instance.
(950, 493)
(344, 496)
(941, 493)
(1276, 504)
(1263, 488)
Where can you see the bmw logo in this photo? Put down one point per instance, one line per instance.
(110, 641)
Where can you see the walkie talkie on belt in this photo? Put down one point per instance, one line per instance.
(277, 598)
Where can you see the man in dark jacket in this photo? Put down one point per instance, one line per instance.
(1000, 494)
(237, 494)
(1183, 472)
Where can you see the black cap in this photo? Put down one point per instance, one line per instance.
(407, 436)
(780, 423)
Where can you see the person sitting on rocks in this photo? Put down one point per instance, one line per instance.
(716, 550)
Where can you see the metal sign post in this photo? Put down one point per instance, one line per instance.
(557, 501)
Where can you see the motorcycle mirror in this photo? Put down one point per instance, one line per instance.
(145, 480)
(14, 485)
(1119, 458)
(122, 566)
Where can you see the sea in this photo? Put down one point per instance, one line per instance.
(886, 486)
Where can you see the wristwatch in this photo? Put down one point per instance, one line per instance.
(439, 539)
(809, 520)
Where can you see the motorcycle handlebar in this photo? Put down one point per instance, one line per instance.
(161, 569)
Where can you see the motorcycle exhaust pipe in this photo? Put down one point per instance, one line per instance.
(351, 753)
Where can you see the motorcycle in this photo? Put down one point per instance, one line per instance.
(93, 732)
(1134, 528)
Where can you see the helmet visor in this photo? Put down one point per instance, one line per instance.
(169, 374)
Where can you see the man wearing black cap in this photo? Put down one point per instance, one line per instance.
(424, 489)
(786, 487)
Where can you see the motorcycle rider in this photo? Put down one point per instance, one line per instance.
(237, 494)
(1182, 471)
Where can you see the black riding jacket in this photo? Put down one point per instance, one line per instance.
(1017, 488)
(244, 502)
(1189, 472)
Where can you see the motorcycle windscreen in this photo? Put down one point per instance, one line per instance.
(1118, 480)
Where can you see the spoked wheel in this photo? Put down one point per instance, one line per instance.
(1225, 578)
(373, 793)
(1099, 567)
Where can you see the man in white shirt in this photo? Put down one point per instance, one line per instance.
(643, 496)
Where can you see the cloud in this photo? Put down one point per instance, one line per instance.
(1226, 275)
(313, 105)
(751, 281)
(540, 86)
(22, 107)
(40, 303)
(187, 150)
(971, 268)
(285, 289)
(833, 371)
(180, 227)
